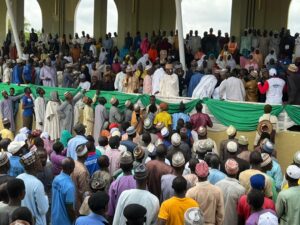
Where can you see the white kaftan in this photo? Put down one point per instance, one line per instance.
(206, 87)
(156, 77)
(169, 86)
(39, 110)
(51, 122)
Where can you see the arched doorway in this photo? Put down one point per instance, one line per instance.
(294, 17)
(112, 17)
(84, 17)
(203, 14)
(32, 16)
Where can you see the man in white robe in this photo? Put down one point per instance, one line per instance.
(120, 78)
(7, 72)
(156, 77)
(206, 87)
(169, 84)
(101, 115)
(52, 122)
(39, 109)
(84, 84)
(271, 55)
(48, 74)
(233, 89)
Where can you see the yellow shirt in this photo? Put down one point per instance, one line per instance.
(5, 133)
(163, 117)
(173, 209)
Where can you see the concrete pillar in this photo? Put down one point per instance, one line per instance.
(100, 18)
(50, 16)
(69, 11)
(61, 17)
(126, 15)
(18, 10)
(180, 33)
(3, 11)
(15, 32)
(145, 16)
(259, 14)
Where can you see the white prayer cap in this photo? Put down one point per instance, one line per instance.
(297, 157)
(116, 133)
(15, 146)
(175, 139)
(122, 148)
(293, 172)
(193, 216)
(82, 76)
(231, 130)
(232, 146)
(267, 218)
(272, 72)
(44, 135)
(164, 132)
(127, 103)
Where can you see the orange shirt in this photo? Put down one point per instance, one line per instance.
(152, 54)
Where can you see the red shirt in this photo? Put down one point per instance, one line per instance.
(200, 119)
(244, 210)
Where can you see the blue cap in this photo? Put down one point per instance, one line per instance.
(257, 181)
(268, 147)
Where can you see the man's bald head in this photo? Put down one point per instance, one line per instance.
(68, 165)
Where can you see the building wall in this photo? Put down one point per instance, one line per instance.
(260, 14)
(287, 143)
(144, 16)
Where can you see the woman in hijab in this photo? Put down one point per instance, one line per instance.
(52, 125)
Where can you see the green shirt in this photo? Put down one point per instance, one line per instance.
(287, 206)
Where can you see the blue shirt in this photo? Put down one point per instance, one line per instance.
(215, 176)
(91, 163)
(63, 192)
(35, 198)
(28, 103)
(193, 83)
(177, 116)
(16, 168)
(130, 145)
(276, 174)
(92, 219)
(27, 72)
(16, 75)
(167, 143)
(72, 145)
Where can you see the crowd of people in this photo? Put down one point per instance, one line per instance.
(263, 67)
(76, 162)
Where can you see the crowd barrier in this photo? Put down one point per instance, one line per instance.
(243, 115)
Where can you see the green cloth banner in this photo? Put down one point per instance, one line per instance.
(293, 112)
(243, 116)
(173, 107)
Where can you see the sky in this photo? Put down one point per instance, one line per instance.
(195, 15)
